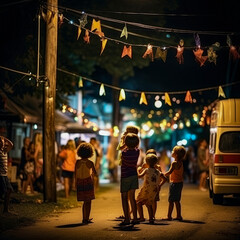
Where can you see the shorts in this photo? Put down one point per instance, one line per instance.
(175, 191)
(129, 183)
(67, 174)
(5, 185)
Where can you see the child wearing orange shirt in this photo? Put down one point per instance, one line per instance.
(175, 174)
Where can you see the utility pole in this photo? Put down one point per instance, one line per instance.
(49, 162)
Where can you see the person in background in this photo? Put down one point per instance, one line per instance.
(84, 171)
(24, 151)
(129, 177)
(29, 168)
(5, 185)
(68, 155)
(38, 155)
(153, 180)
(96, 158)
(175, 174)
(202, 160)
(164, 160)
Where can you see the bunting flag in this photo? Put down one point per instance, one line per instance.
(212, 56)
(221, 92)
(60, 20)
(79, 32)
(199, 58)
(96, 25)
(197, 40)
(188, 97)
(167, 99)
(233, 53)
(143, 99)
(80, 82)
(122, 95)
(180, 50)
(86, 38)
(161, 54)
(127, 51)
(102, 90)
(148, 52)
(104, 42)
(124, 32)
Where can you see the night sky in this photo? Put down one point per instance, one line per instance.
(18, 19)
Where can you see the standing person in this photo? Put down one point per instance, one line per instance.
(140, 170)
(96, 160)
(38, 155)
(175, 174)
(68, 154)
(5, 185)
(84, 171)
(202, 159)
(164, 160)
(153, 180)
(129, 177)
(24, 151)
(29, 168)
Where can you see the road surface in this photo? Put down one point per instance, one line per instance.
(201, 220)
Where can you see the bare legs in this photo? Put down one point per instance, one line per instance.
(125, 206)
(202, 181)
(170, 210)
(67, 186)
(86, 209)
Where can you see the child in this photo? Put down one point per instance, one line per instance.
(5, 185)
(153, 180)
(176, 182)
(84, 171)
(129, 177)
(122, 145)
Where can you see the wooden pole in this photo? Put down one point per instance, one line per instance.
(49, 103)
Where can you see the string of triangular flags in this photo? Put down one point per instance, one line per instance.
(161, 52)
(143, 100)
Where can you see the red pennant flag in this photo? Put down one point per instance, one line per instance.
(199, 58)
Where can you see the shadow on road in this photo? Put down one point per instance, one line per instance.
(73, 225)
(127, 228)
(231, 201)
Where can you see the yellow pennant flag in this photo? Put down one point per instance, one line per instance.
(96, 25)
(124, 32)
(221, 92)
(122, 95)
(104, 42)
(167, 99)
(102, 90)
(143, 99)
(80, 82)
(79, 32)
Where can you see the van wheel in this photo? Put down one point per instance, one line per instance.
(217, 198)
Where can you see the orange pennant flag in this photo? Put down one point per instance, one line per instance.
(188, 97)
(127, 51)
(143, 99)
(179, 55)
(96, 25)
(104, 42)
(148, 52)
(167, 99)
(198, 55)
(122, 95)
(221, 92)
(87, 37)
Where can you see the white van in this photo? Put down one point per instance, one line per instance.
(224, 150)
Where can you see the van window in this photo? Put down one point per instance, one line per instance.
(230, 142)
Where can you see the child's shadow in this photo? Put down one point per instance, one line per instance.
(129, 227)
(192, 221)
(73, 225)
